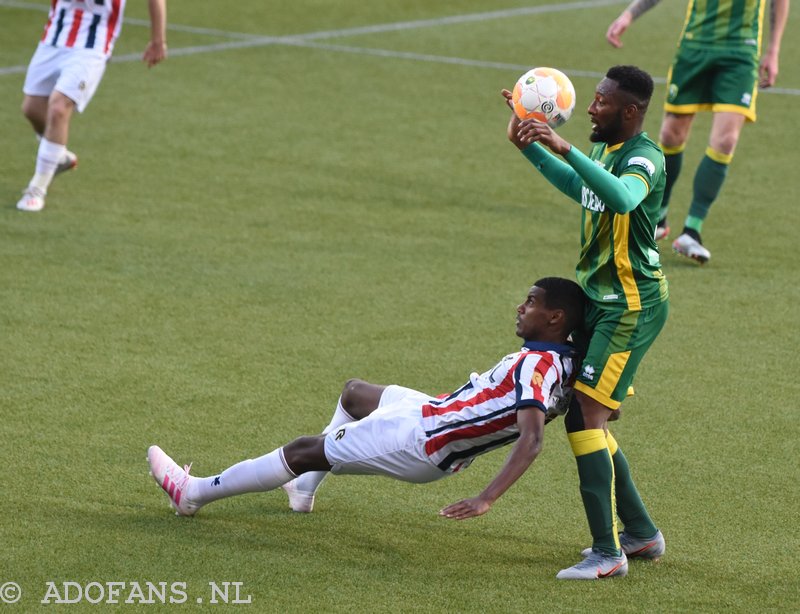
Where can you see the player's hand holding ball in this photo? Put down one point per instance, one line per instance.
(542, 99)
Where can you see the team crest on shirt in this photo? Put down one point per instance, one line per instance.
(82, 85)
(588, 372)
(673, 91)
(537, 379)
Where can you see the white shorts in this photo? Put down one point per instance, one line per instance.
(394, 393)
(76, 73)
(389, 442)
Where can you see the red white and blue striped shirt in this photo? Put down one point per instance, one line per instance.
(84, 24)
(482, 415)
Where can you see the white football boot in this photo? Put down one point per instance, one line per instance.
(68, 162)
(596, 566)
(651, 549)
(32, 199)
(688, 246)
(299, 501)
(173, 481)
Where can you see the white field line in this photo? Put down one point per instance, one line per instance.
(243, 40)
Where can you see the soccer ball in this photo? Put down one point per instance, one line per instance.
(544, 94)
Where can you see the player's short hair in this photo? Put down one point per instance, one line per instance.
(634, 81)
(566, 295)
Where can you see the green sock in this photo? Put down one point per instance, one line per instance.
(630, 507)
(596, 474)
(672, 164)
(695, 223)
(708, 181)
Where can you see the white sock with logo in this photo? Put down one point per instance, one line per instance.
(308, 482)
(255, 475)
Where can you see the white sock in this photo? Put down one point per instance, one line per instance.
(308, 482)
(255, 475)
(47, 160)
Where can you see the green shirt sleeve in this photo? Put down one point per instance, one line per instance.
(560, 174)
(620, 194)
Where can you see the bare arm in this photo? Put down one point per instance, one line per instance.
(530, 422)
(156, 49)
(621, 23)
(768, 67)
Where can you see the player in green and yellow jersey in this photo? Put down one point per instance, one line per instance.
(717, 69)
(619, 186)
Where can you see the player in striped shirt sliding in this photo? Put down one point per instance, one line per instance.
(415, 437)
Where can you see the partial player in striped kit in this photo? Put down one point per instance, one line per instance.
(717, 69)
(415, 437)
(64, 73)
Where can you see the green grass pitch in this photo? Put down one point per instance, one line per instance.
(260, 218)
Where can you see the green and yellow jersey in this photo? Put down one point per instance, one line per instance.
(724, 23)
(619, 265)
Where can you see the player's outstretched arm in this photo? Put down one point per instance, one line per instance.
(530, 422)
(620, 194)
(156, 50)
(618, 27)
(625, 19)
(768, 67)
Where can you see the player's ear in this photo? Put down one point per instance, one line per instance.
(631, 110)
(557, 317)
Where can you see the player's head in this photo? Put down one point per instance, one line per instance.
(620, 103)
(552, 310)
(635, 82)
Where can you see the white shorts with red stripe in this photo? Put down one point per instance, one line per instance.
(389, 442)
(76, 73)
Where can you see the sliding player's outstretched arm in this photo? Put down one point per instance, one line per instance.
(530, 421)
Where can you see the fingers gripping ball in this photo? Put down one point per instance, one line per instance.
(544, 94)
